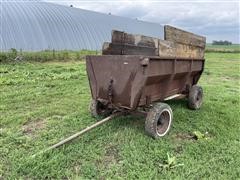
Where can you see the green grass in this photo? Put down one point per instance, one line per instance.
(43, 56)
(234, 48)
(41, 103)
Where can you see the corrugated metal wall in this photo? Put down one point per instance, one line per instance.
(35, 25)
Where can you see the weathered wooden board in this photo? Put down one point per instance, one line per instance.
(127, 49)
(119, 37)
(188, 51)
(179, 44)
(183, 37)
(172, 49)
(165, 49)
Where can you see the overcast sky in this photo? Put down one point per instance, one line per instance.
(216, 19)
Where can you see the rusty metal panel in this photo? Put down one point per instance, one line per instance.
(129, 81)
(125, 73)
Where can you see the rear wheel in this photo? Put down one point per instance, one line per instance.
(195, 97)
(158, 120)
(98, 109)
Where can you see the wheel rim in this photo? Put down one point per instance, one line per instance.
(164, 122)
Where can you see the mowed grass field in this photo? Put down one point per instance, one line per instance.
(223, 48)
(42, 103)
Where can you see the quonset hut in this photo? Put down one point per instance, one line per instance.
(37, 25)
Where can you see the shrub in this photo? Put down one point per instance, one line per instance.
(46, 55)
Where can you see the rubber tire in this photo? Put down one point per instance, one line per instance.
(195, 97)
(153, 118)
(97, 109)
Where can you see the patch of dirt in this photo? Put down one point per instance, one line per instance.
(229, 78)
(193, 136)
(178, 149)
(185, 136)
(111, 156)
(32, 126)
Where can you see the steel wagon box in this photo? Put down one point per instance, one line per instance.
(137, 72)
(129, 81)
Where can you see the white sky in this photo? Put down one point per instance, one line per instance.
(216, 19)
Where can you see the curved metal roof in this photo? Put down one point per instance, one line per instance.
(36, 25)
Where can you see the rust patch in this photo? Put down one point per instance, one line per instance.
(32, 126)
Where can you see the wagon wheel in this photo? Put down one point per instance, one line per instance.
(195, 97)
(98, 109)
(158, 120)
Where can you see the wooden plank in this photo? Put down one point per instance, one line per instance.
(182, 44)
(172, 49)
(189, 51)
(183, 37)
(127, 49)
(119, 37)
(166, 48)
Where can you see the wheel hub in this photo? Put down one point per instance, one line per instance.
(163, 122)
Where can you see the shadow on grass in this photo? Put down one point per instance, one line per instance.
(137, 122)
(177, 103)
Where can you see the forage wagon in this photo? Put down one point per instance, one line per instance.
(140, 72)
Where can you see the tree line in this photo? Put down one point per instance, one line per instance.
(221, 42)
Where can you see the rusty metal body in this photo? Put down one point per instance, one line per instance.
(130, 81)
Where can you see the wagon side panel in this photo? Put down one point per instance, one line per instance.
(167, 77)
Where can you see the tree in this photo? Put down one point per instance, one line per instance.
(221, 42)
